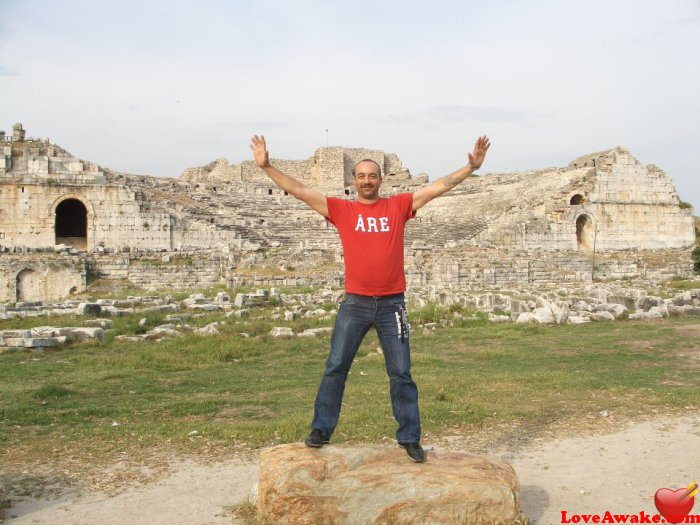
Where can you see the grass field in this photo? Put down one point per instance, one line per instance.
(101, 400)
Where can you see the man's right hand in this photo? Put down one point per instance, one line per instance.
(259, 149)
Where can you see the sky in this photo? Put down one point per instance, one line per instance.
(154, 87)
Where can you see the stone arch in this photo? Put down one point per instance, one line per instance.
(28, 286)
(585, 232)
(576, 199)
(73, 218)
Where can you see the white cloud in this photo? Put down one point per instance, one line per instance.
(157, 86)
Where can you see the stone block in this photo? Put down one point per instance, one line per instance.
(41, 342)
(312, 332)
(281, 331)
(650, 302)
(646, 316)
(15, 334)
(239, 313)
(581, 306)
(379, 484)
(683, 299)
(161, 332)
(89, 309)
(83, 333)
(209, 329)
(206, 307)
(101, 323)
(45, 331)
(525, 317)
(129, 338)
(15, 342)
(117, 312)
(628, 302)
(222, 297)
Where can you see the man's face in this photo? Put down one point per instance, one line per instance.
(367, 180)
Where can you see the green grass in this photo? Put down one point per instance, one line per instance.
(682, 283)
(258, 391)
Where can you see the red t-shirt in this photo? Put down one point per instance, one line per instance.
(372, 238)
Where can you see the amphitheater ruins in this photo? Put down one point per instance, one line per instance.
(65, 221)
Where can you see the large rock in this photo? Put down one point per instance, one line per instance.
(281, 331)
(379, 484)
(89, 309)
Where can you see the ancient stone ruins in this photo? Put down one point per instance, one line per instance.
(65, 221)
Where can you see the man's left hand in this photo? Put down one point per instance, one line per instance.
(476, 158)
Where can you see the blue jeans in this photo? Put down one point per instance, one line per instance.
(356, 315)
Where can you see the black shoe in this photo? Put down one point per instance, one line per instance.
(414, 451)
(315, 439)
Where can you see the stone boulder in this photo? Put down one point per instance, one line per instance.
(379, 484)
(89, 309)
(281, 331)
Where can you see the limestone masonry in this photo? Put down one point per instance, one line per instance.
(64, 220)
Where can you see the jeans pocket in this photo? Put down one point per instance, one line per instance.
(349, 299)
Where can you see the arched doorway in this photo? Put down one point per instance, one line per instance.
(576, 200)
(28, 286)
(585, 233)
(71, 224)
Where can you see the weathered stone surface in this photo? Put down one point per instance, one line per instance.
(82, 333)
(20, 334)
(316, 331)
(42, 342)
(210, 329)
(281, 331)
(602, 316)
(661, 310)
(102, 323)
(117, 312)
(526, 317)
(89, 309)
(646, 316)
(628, 302)
(379, 484)
(222, 297)
(558, 314)
(577, 319)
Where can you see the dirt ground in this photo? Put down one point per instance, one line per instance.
(617, 471)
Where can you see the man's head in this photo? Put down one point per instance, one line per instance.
(367, 178)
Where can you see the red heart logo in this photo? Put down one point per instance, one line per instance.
(672, 504)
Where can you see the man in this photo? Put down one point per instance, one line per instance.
(371, 230)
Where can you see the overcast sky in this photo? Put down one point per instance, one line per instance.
(154, 87)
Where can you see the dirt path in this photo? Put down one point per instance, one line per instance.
(617, 472)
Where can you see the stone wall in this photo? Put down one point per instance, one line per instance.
(176, 271)
(610, 201)
(329, 170)
(112, 215)
(40, 276)
(475, 269)
(492, 230)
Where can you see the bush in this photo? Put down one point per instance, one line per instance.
(696, 259)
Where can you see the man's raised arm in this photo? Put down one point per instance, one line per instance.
(315, 200)
(436, 188)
